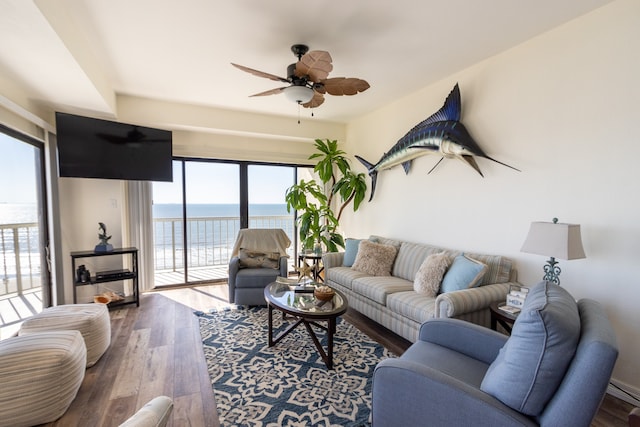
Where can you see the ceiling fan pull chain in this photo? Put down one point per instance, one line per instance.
(298, 113)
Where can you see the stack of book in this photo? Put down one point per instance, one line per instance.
(515, 299)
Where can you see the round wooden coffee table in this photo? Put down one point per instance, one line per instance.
(302, 305)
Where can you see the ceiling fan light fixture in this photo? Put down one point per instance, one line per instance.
(298, 94)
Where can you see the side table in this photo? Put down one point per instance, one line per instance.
(503, 318)
(316, 264)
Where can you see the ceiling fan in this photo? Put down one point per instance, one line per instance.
(307, 78)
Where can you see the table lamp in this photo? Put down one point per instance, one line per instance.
(556, 240)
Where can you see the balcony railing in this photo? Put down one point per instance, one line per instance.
(20, 258)
(210, 240)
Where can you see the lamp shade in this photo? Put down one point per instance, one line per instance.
(554, 239)
(298, 94)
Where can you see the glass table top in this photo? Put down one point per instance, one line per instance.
(301, 299)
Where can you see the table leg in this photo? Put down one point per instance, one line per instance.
(330, 331)
(270, 322)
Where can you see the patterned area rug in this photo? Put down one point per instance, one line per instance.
(288, 384)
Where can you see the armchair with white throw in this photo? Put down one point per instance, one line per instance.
(259, 256)
(552, 371)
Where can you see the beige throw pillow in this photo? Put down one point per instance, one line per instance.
(375, 259)
(430, 274)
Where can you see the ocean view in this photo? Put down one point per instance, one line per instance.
(211, 233)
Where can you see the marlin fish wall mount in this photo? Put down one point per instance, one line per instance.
(441, 133)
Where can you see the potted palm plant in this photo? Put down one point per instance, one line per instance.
(314, 201)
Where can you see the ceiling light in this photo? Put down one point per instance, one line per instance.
(298, 94)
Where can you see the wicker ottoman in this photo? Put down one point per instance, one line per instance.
(40, 376)
(92, 320)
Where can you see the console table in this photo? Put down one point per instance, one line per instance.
(119, 276)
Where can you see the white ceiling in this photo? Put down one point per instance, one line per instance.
(78, 55)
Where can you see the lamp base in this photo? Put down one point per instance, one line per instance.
(552, 271)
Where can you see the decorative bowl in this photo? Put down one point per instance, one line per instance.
(101, 299)
(323, 293)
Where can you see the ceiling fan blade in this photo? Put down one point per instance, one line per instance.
(261, 73)
(316, 101)
(345, 86)
(270, 92)
(315, 64)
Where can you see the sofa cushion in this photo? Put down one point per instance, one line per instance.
(343, 276)
(257, 259)
(385, 241)
(533, 361)
(430, 274)
(464, 273)
(375, 259)
(412, 305)
(377, 288)
(350, 251)
(411, 256)
(498, 268)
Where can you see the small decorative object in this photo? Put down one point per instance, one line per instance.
(516, 296)
(304, 271)
(441, 133)
(555, 240)
(101, 299)
(104, 245)
(82, 274)
(317, 249)
(324, 293)
(107, 297)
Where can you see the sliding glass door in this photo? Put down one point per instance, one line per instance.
(212, 201)
(212, 195)
(267, 186)
(24, 278)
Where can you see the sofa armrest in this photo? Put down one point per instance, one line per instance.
(398, 384)
(332, 259)
(456, 303)
(463, 337)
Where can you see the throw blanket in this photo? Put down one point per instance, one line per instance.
(262, 240)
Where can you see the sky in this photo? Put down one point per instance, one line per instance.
(209, 182)
(17, 171)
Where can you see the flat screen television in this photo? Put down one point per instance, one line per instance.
(94, 148)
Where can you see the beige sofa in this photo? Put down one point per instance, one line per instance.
(392, 301)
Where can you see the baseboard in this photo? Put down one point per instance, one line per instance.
(618, 390)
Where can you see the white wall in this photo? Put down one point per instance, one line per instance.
(83, 204)
(563, 108)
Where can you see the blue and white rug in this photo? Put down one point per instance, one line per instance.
(288, 384)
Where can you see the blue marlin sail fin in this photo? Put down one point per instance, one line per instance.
(450, 111)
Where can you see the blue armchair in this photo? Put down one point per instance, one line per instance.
(553, 371)
(259, 257)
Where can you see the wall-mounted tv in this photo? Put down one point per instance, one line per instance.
(94, 148)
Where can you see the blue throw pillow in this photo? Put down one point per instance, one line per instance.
(464, 273)
(350, 251)
(533, 361)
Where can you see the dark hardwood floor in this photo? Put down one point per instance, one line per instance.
(156, 349)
